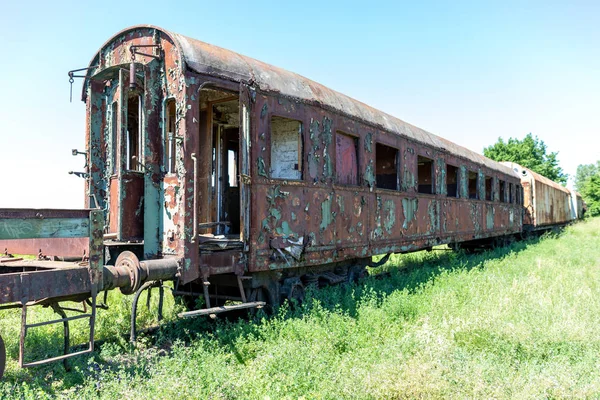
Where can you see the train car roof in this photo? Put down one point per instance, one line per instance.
(522, 171)
(208, 59)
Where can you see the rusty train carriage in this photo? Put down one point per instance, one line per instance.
(244, 182)
(204, 154)
(546, 202)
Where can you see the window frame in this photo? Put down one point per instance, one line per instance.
(301, 150)
(488, 196)
(169, 143)
(433, 177)
(138, 136)
(396, 162)
(469, 172)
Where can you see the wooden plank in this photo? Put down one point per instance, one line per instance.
(31, 228)
(218, 310)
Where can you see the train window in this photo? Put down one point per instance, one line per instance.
(510, 193)
(451, 181)
(346, 159)
(425, 174)
(489, 188)
(473, 185)
(134, 131)
(286, 148)
(502, 186)
(114, 126)
(386, 167)
(170, 136)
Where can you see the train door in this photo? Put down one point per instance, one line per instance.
(126, 186)
(220, 209)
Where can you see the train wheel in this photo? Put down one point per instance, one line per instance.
(260, 294)
(2, 357)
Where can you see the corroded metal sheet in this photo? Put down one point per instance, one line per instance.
(72, 247)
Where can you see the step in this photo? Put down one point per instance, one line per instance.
(218, 310)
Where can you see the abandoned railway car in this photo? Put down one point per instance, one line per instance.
(244, 183)
(241, 169)
(547, 204)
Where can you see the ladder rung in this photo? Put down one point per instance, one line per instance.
(217, 310)
(56, 321)
(53, 359)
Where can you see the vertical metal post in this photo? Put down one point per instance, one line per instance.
(23, 334)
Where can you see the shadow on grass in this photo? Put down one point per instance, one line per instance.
(405, 272)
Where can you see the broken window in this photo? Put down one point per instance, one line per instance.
(386, 167)
(425, 174)
(114, 127)
(473, 185)
(510, 193)
(286, 148)
(232, 163)
(489, 191)
(134, 132)
(451, 181)
(346, 162)
(170, 136)
(502, 185)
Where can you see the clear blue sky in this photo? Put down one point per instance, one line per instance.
(468, 71)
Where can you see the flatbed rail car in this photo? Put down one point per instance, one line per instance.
(25, 283)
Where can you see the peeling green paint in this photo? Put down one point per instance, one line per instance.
(313, 157)
(369, 175)
(433, 209)
(260, 163)
(389, 209)
(476, 215)
(294, 217)
(275, 213)
(409, 210)
(489, 216)
(441, 187)
(481, 184)
(327, 138)
(264, 110)
(340, 202)
(326, 216)
(369, 142)
(409, 181)
(30, 228)
(378, 231)
(464, 182)
(285, 230)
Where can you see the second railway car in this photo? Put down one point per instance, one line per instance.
(546, 203)
(244, 170)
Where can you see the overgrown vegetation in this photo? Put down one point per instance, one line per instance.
(531, 153)
(518, 322)
(587, 182)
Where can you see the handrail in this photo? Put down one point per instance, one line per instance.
(195, 214)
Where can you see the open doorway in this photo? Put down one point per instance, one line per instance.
(221, 214)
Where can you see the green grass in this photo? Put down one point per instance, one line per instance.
(519, 322)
